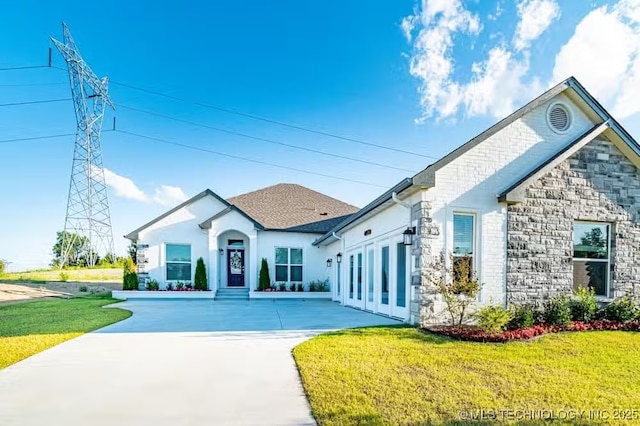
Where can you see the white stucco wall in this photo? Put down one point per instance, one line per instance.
(314, 258)
(471, 183)
(179, 227)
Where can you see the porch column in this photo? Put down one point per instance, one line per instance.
(212, 270)
(252, 271)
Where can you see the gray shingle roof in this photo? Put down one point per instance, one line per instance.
(292, 207)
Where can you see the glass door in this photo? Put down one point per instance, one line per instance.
(359, 302)
(400, 285)
(351, 279)
(369, 278)
(384, 272)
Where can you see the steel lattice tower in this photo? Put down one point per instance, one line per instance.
(87, 204)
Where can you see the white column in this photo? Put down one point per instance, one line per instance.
(252, 274)
(212, 270)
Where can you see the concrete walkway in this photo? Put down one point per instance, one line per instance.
(177, 363)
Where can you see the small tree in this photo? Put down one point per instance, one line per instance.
(200, 280)
(129, 277)
(264, 282)
(458, 285)
(3, 266)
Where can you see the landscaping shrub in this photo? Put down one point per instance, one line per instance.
(282, 287)
(169, 286)
(458, 286)
(312, 286)
(129, 277)
(493, 318)
(264, 280)
(300, 287)
(83, 289)
(292, 287)
(200, 279)
(523, 316)
(153, 285)
(584, 306)
(557, 311)
(621, 309)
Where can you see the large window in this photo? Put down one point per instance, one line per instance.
(370, 277)
(463, 243)
(178, 261)
(591, 256)
(288, 264)
(385, 275)
(401, 276)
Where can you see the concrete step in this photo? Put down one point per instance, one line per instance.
(232, 294)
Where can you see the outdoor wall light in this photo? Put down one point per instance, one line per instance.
(339, 257)
(329, 263)
(221, 251)
(407, 236)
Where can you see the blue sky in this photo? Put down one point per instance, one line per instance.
(416, 76)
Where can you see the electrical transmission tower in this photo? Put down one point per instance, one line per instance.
(87, 224)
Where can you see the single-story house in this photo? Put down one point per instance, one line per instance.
(544, 201)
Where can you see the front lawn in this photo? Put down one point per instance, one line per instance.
(28, 328)
(402, 376)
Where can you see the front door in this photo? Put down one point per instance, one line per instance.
(235, 267)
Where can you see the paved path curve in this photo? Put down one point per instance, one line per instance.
(177, 363)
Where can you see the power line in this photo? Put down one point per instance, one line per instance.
(45, 101)
(264, 119)
(152, 138)
(244, 135)
(37, 137)
(32, 84)
(23, 68)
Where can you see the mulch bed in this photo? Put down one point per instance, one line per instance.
(474, 334)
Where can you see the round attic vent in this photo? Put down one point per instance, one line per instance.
(559, 118)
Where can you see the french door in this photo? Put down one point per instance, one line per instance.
(399, 294)
(369, 278)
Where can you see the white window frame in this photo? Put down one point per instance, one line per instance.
(289, 264)
(474, 243)
(166, 262)
(585, 259)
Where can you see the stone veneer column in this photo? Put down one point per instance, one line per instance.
(425, 295)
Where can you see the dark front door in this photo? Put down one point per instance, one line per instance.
(235, 267)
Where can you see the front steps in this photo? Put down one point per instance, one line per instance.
(226, 293)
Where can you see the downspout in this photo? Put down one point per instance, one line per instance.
(394, 197)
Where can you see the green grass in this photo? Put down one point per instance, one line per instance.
(81, 275)
(401, 376)
(28, 328)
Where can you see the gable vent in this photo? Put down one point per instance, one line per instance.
(559, 118)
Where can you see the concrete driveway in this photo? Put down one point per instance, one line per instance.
(177, 363)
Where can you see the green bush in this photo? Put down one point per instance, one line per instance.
(584, 306)
(523, 316)
(64, 277)
(557, 311)
(264, 280)
(83, 289)
(200, 279)
(153, 285)
(129, 276)
(493, 318)
(621, 309)
(169, 286)
(3, 266)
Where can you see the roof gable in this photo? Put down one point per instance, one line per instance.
(133, 235)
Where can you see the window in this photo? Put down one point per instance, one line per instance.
(591, 256)
(385, 275)
(236, 243)
(401, 276)
(178, 260)
(288, 264)
(359, 276)
(351, 277)
(463, 243)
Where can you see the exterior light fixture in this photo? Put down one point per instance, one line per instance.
(339, 257)
(221, 251)
(407, 236)
(329, 263)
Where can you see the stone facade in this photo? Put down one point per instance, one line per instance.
(598, 183)
(424, 302)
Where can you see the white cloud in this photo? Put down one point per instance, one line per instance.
(124, 187)
(535, 17)
(604, 54)
(167, 195)
(497, 83)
